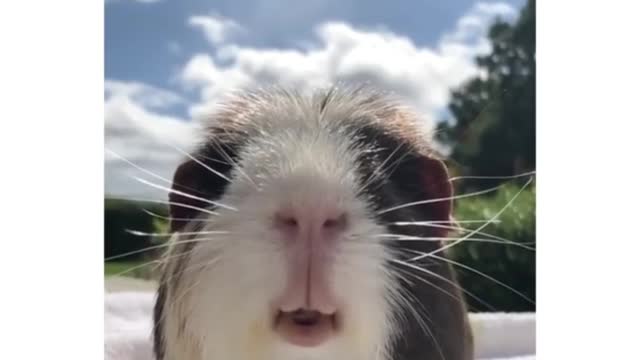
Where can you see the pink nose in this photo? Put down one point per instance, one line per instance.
(310, 233)
(324, 225)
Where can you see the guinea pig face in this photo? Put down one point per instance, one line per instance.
(291, 265)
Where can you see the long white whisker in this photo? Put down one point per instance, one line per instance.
(167, 244)
(180, 233)
(378, 169)
(151, 213)
(234, 164)
(424, 326)
(149, 263)
(494, 177)
(487, 223)
(431, 273)
(482, 240)
(215, 172)
(178, 192)
(169, 203)
(429, 201)
(134, 268)
(466, 230)
(139, 167)
(158, 262)
(415, 276)
(483, 275)
(389, 171)
(420, 223)
(170, 296)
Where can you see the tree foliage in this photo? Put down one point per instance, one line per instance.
(492, 131)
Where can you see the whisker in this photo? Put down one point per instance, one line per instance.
(387, 173)
(431, 273)
(378, 171)
(201, 267)
(487, 223)
(423, 325)
(429, 201)
(178, 192)
(466, 230)
(167, 244)
(494, 177)
(135, 268)
(213, 171)
(485, 276)
(168, 203)
(178, 233)
(216, 160)
(496, 237)
(420, 223)
(415, 276)
(421, 279)
(233, 163)
(482, 240)
(151, 173)
(169, 218)
(151, 213)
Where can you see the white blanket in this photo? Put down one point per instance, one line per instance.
(498, 336)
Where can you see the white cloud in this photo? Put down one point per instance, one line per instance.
(146, 95)
(472, 27)
(135, 131)
(422, 75)
(217, 29)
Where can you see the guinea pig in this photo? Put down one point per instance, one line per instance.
(286, 240)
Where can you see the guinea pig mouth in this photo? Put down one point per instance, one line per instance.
(306, 328)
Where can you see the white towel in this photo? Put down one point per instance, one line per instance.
(128, 323)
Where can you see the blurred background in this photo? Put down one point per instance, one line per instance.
(467, 66)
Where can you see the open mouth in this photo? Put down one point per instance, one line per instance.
(307, 328)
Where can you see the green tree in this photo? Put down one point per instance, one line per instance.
(492, 131)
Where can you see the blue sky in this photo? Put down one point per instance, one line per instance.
(167, 62)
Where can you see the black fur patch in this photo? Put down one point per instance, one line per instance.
(442, 310)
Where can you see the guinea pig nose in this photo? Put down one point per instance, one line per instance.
(312, 222)
(335, 223)
(286, 221)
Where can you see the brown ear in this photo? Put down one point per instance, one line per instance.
(436, 184)
(196, 180)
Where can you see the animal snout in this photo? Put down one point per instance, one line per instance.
(311, 223)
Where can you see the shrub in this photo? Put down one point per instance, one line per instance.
(509, 264)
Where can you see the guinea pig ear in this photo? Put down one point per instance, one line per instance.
(437, 186)
(181, 207)
(194, 179)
